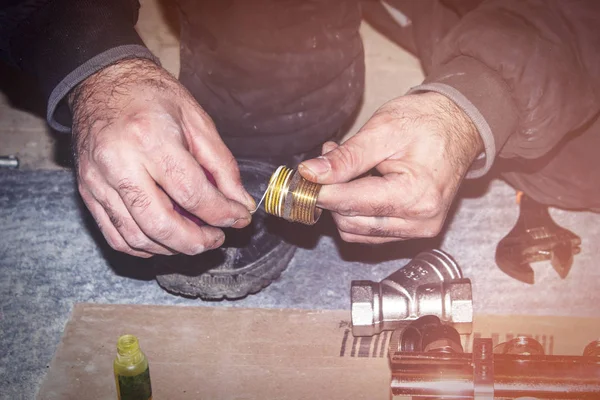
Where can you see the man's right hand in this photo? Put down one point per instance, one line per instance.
(136, 130)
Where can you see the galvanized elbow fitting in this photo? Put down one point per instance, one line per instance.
(431, 284)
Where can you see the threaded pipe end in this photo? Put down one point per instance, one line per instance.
(291, 197)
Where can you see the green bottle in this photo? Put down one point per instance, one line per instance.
(132, 373)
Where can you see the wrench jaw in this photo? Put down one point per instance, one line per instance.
(563, 254)
(536, 237)
(511, 260)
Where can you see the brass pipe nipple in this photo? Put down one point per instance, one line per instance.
(291, 197)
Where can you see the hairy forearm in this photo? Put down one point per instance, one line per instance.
(455, 138)
(463, 141)
(110, 81)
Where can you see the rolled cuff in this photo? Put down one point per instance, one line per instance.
(484, 97)
(56, 105)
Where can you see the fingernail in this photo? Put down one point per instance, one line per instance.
(232, 222)
(199, 249)
(316, 166)
(240, 223)
(250, 202)
(218, 241)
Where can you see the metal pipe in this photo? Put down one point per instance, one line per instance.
(423, 364)
(10, 162)
(542, 377)
(431, 284)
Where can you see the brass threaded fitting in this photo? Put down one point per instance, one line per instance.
(291, 197)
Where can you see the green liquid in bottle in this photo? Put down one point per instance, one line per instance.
(132, 373)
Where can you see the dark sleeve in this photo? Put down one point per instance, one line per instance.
(526, 72)
(62, 42)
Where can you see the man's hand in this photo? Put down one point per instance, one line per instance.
(422, 145)
(141, 138)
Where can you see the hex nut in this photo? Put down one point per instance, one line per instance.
(460, 295)
(362, 296)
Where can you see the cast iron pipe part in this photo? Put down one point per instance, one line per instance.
(427, 361)
(431, 284)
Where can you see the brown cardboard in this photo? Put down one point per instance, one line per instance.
(235, 353)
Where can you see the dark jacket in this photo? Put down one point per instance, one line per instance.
(528, 75)
(527, 72)
(62, 42)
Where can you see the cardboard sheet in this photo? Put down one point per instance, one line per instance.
(236, 353)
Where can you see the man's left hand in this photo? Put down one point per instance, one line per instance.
(421, 146)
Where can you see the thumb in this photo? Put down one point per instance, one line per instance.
(359, 154)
